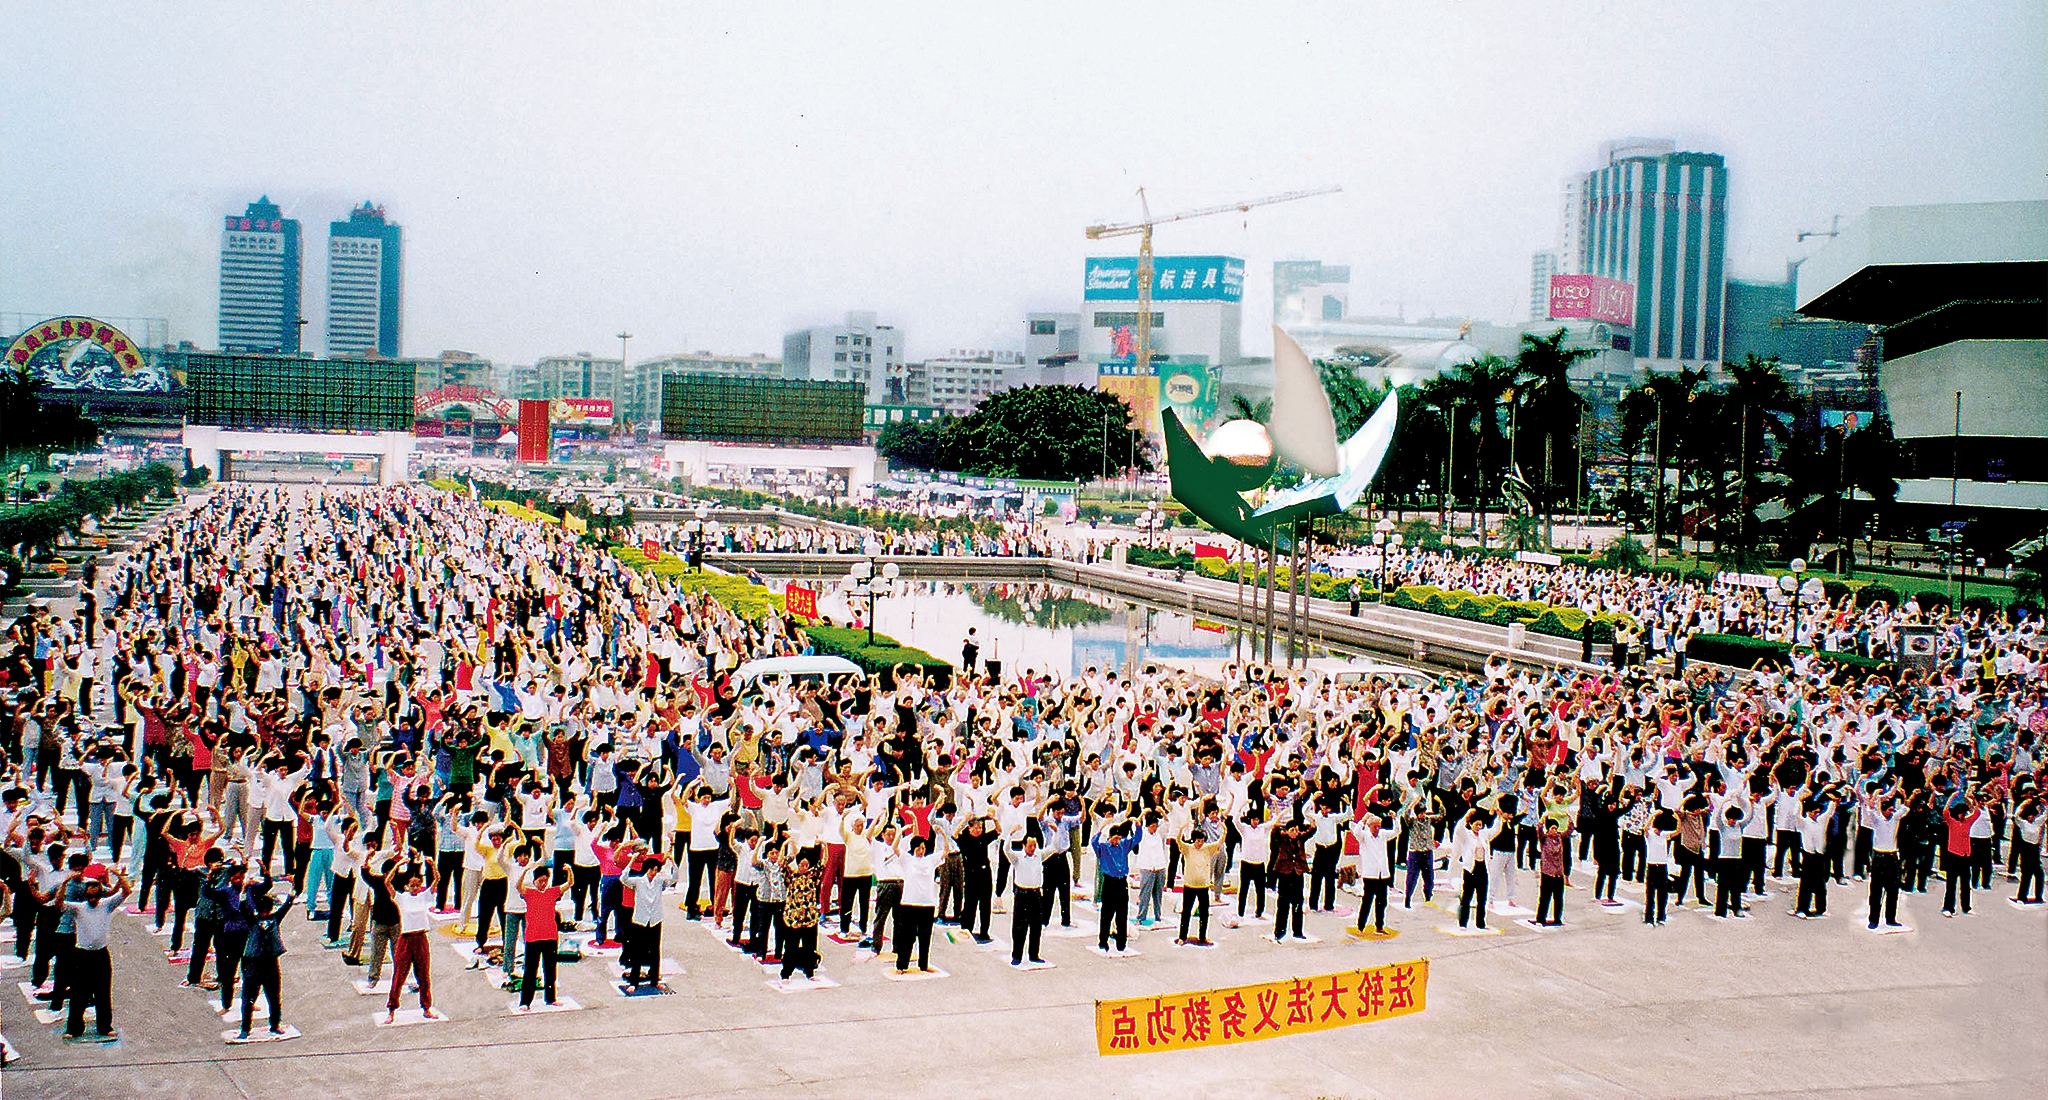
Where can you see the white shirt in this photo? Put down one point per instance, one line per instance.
(920, 880)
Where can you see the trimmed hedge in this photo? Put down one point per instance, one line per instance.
(882, 657)
(1743, 651)
(1151, 558)
(747, 600)
(1323, 586)
(1559, 622)
(1878, 592)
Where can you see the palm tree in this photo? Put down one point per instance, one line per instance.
(1553, 408)
(1656, 415)
(1241, 409)
(1475, 391)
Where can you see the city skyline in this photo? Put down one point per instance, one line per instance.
(723, 211)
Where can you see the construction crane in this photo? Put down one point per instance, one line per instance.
(1143, 358)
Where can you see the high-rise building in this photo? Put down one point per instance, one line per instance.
(1307, 292)
(260, 267)
(1656, 219)
(1541, 267)
(363, 282)
(861, 350)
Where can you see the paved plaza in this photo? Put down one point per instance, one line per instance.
(1604, 1007)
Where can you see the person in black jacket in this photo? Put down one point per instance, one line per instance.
(260, 952)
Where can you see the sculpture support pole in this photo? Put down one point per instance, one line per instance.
(1272, 570)
(1237, 618)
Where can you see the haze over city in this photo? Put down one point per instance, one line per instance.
(710, 176)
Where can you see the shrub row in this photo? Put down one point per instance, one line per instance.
(883, 657)
(1543, 618)
(1743, 651)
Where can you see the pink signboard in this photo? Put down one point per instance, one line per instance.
(1592, 297)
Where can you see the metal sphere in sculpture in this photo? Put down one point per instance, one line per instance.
(1243, 453)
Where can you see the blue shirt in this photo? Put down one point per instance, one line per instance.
(1114, 856)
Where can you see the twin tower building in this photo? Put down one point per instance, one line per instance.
(261, 271)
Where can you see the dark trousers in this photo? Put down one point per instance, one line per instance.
(92, 980)
(184, 896)
(540, 964)
(1753, 853)
(1788, 841)
(888, 896)
(800, 950)
(742, 901)
(1115, 909)
(227, 957)
(1884, 886)
(1027, 917)
(1550, 899)
(1192, 898)
(1656, 891)
(449, 866)
(1287, 902)
(46, 942)
(1322, 881)
(583, 887)
(854, 889)
(1251, 876)
(340, 896)
(1728, 886)
(702, 866)
(1959, 871)
(1422, 866)
(642, 957)
(1059, 884)
(260, 975)
(2027, 859)
(205, 932)
(1632, 857)
(767, 917)
(410, 956)
(273, 832)
(63, 945)
(1474, 891)
(1692, 868)
(1813, 884)
(975, 907)
(1374, 902)
(913, 929)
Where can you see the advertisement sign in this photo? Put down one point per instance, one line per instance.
(533, 431)
(1262, 1010)
(582, 411)
(801, 601)
(1174, 279)
(1593, 298)
(1138, 388)
(482, 404)
(1190, 390)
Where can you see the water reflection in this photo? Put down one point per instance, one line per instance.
(1041, 626)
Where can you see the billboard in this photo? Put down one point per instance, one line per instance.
(298, 393)
(1138, 388)
(1593, 298)
(1174, 279)
(1189, 389)
(769, 411)
(595, 412)
(533, 431)
(80, 353)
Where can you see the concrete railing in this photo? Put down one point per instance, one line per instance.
(1415, 636)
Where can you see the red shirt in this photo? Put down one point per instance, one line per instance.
(1959, 831)
(540, 912)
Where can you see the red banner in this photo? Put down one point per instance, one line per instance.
(801, 601)
(1210, 550)
(533, 431)
(650, 548)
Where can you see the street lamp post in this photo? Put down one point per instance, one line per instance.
(863, 582)
(1382, 533)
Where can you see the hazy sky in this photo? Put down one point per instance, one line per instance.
(707, 176)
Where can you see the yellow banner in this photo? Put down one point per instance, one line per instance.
(1264, 1010)
(575, 523)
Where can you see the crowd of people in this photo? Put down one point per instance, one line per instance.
(391, 706)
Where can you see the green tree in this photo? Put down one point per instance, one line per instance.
(1471, 396)
(28, 424)
(914, 443)
(1062, 433)
(1547, 436)
(1657, 415)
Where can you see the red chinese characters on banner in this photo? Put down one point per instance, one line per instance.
(651, 549)
(1265, 1010)
(534, 436)
(801, 601)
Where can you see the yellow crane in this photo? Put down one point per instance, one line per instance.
(1143, 358)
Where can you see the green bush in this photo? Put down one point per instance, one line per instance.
(1875, 593)
(882, 657)
(1930, 600)
(1738, 650)
(1836, 591)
